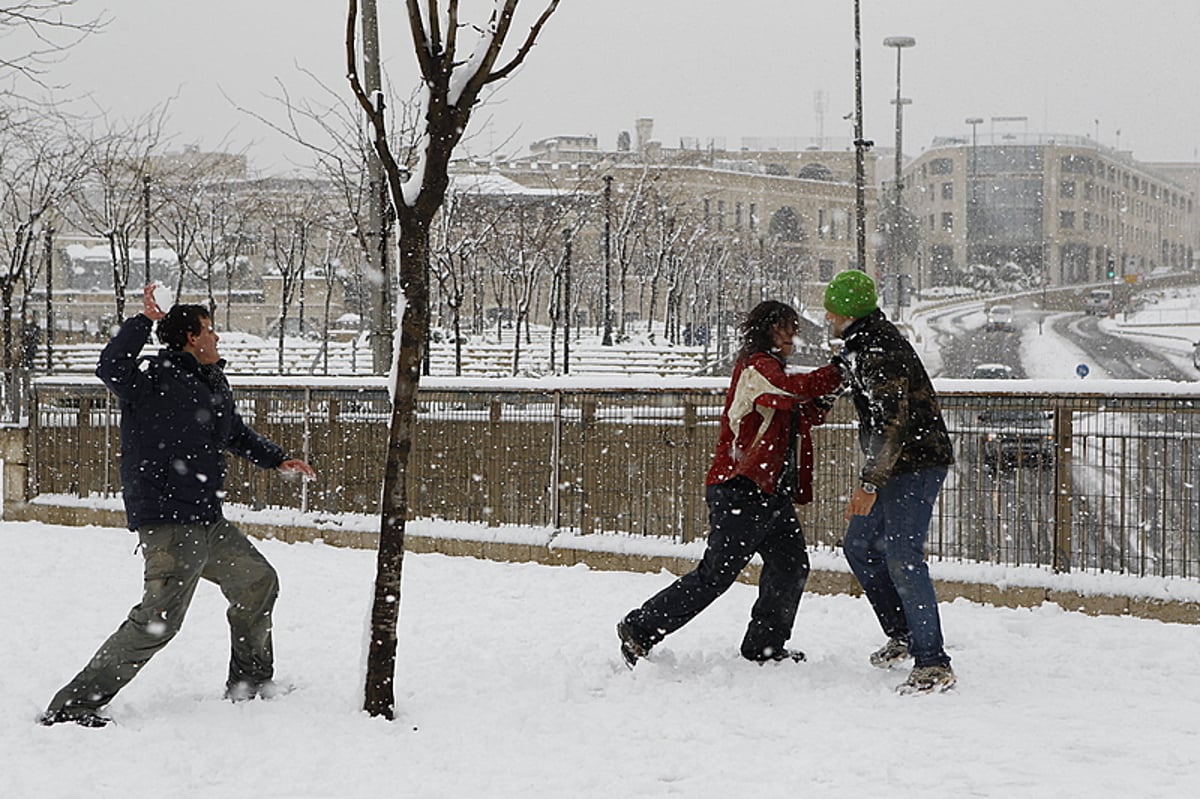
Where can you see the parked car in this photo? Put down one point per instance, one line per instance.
(1099, 302)
(1015, 437)
(1000, 318)
(992, 371)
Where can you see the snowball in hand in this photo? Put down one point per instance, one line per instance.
(162, 297)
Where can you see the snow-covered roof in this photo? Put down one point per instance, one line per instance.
(100, 252)
(495, 185)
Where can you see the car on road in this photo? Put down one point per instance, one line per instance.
(992, 371)
(1000, 318)
(1015, 437)
(1099, 302)
(1196, 355)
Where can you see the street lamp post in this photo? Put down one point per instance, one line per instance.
(898, 42)
(607, 339)
(861, 145)
(972, 182)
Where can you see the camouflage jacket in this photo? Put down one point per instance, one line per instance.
(900, 426)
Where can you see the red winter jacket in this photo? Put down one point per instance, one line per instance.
(756, 423)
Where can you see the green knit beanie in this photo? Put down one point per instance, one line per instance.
(851, 294)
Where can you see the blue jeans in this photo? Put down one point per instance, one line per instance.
(743, 521)
(886, 551)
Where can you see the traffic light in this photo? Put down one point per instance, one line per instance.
(1112, 268)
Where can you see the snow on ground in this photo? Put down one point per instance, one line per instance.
(511, 685)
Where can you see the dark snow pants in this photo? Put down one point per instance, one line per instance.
(743, 521)
(177, 556)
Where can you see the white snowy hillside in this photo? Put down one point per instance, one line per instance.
(511, 685)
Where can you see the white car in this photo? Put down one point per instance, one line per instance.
(1000, 317)
(992, 371)
(1099, 303)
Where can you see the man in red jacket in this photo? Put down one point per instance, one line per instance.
(758, 472)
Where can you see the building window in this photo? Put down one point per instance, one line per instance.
(947, 191)
(825, 268)
(820, 223)
(1078, 164)
(941, 166)
(1066, 188)
(1066, 220)
(720, 214)
(754, 216)
(941, 265)
(707, 209)
(948, 221)
(1087, 220)
(737, 216)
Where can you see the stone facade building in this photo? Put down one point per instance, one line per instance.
(791, 205)
(1062, 209)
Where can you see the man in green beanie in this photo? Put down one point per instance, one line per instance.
(907, 454)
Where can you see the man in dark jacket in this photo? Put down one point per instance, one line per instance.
(907, 456)
(177, 420)
(757, 473)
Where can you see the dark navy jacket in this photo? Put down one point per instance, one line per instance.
(177, 420)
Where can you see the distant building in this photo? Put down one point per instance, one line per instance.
(769, 191)
(1061, 208)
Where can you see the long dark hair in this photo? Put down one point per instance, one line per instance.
(757, 327)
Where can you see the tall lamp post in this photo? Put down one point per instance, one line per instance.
(861, 145)
(607, 340)
(898, 42)
(972, 183)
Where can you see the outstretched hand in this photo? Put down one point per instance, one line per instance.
(295, 466)
(150, 307)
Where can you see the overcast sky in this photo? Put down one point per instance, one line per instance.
(699, 69)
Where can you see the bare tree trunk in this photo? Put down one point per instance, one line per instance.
(447, 114)
(385, 611)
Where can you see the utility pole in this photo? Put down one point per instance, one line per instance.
(48, 244)
(146, 220)
(894, 229)
(860, 147)
(607, 340)
(378, 278)
(972, 194)
(566, 304)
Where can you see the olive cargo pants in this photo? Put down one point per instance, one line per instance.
(177, 556)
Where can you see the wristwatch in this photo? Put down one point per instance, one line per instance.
(870, 488)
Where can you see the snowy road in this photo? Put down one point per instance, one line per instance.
(1121, 357)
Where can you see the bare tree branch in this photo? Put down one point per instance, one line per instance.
(530, 39)
(48, 33)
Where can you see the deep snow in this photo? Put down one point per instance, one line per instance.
(510, 684)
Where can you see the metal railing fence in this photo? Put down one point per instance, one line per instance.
(1064, 481)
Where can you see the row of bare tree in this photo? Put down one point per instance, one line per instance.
(641, 256)
(114, 182)
(646, 262)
